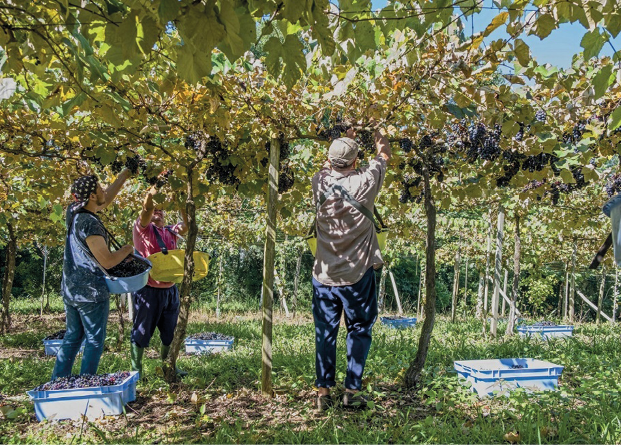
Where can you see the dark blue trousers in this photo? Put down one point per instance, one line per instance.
(359, 302)
(155, 308)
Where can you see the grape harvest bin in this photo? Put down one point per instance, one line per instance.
(195, 346)
(53, 346)
(404, 322)
(497, 376)
(546, 332)
(93, 402)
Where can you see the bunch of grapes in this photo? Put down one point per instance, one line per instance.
(116, 166)
(209, 336)
(545, 324)
(366, 140)
(614, 185)
(408, 182)
(334, 132)
(286, 178)
(84, 381)
(129, 267)
(541, 116)
(406, 145)
(532, 185)
(576, 133)
(59, 335)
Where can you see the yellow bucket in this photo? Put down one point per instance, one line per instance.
(382, 236)
(169, 268)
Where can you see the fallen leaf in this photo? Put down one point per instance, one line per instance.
(512, 436)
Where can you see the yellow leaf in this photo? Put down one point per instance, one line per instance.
(512, 436)
(499, 20)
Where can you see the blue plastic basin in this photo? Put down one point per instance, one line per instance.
(122, 285)
(399, 323)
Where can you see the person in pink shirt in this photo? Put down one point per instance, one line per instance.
(156, 304)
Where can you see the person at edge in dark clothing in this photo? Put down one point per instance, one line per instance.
(83, 287)
(347, 255)
(157, 304)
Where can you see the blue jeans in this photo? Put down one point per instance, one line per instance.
(155, 308)
(83, 320)
(359, 302)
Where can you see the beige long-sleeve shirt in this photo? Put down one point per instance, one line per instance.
(346, 240)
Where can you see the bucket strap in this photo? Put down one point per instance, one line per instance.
(348, 198)
(160, 241)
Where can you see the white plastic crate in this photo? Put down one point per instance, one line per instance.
(497, 375)
(53, 346)
(195, 346)
(545, 332)
(404, 322)
(93, 402)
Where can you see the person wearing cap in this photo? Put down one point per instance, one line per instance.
(347, 255)
(156, 304)
(83, 286)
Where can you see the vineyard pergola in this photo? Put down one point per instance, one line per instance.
(237, 100)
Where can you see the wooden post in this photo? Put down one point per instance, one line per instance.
(466, 283)
(504, 289)
(219, 286)
(7, 280)
(394, 288)
(268, 269)
(566, 296)
(382, 289)
(572, 292)
(296, 282)
(479, 313)
(420, 307)
(45, 252)
(517, 252)
(455, 284)
(600, 300)
(130, 307)
(497, 269)
(615, 295)
(488, 256)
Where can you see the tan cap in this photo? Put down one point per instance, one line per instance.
(343, 152)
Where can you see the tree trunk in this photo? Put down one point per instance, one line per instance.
(185, 293)
(572, 292)
(566, 296)
(7, 280)
(296, 283)
(382, 289)
(420, 308)
(560, 298)
(498, 261)
(479, 310)
(504, 290)
(615, 295)
(600, 300)
(488, 255)
(268, 269)
(455, 284)
(413, 375)
(516, 277)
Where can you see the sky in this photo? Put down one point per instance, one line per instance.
(557, 49)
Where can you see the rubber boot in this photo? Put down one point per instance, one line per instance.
(164, 355)
(136, 355)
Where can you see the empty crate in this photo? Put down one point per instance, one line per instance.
(195, 346)
(545, 332)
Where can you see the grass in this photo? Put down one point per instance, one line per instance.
(220, 401)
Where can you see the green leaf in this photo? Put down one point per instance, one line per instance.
(365, 37)
(522, 52)
(72, 103)
(293, 62)
(497, 21)
(544, 25)
(320, 30)
(193, 66)
(592, 42)
(168, 10)
(293, 10)
(602, 80)
(200, 28)
(614, 121)
(57, 213)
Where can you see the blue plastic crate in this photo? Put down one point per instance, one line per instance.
(496, 376)
(52, 346)
(399, 323)
(93, 402)
(195, 346)
(545, 332)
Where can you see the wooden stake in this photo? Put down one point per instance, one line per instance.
(497, 269)
(572, 292)
(394, 287)
(600, 300)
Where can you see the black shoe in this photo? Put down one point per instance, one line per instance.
(323, 403)
(354, 401)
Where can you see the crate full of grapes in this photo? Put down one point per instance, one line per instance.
(91, 396)
(545, 330)
(53, 342)
(208, 342)
(399, 322)
(500, 376)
